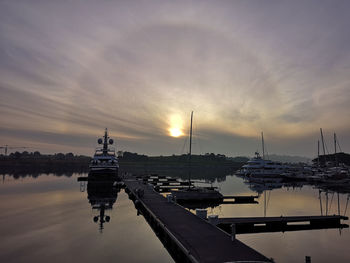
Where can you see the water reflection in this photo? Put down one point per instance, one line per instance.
(211, 204)
(192, 205)
(326, 193)
(68, 221)
(102, 193)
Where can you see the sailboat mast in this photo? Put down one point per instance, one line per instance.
(335, 150)
(190, 153)
(263, 145)
(318, 153)
(191, 134)
(324, 151)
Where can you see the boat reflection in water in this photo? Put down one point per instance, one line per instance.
(192, 205)
(102, 194)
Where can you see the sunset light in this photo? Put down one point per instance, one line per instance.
(175, 125)
(175, 132)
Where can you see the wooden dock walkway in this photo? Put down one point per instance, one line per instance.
(191, 238)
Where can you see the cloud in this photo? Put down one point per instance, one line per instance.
(241, 66)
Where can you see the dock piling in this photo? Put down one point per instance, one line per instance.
(213, 219)
(233, 232)
(201, 213)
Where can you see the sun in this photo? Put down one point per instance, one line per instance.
(175, 125)
(175, 132)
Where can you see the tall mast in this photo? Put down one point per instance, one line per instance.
(335, 150)
(190, 153)
(324, 152)
(263, 145)
(318, 153)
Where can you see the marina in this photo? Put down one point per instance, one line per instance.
(180, 240)
(77, 215)
(183, 212)
(189, 235)
(332, 170)
(175, 131)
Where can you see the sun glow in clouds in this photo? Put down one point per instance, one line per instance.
(176, 126)
(175, 132)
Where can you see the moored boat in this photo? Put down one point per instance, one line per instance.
(196, 193)
(259, 167)
(105, 161)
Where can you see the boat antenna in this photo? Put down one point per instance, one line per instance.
(190, 153)
(263, 145)
(105, 142)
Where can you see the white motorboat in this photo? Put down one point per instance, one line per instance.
(259, 167)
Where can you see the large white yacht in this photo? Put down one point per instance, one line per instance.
(259, 167)
(105, 161)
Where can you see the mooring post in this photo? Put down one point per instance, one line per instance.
(233, 232)
(169, 198)
(307, 259)
(201, 213)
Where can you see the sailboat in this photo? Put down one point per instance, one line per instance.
(195, 193)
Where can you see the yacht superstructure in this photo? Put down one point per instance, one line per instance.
(257, 166)
(105, 160)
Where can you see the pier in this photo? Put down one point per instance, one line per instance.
(187, 237)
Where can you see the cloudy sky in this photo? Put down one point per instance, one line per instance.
(68, 69)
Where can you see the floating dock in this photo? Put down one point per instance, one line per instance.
(240, 199)
(245, 225)
(187, 237)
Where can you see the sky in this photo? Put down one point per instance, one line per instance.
(69, 69)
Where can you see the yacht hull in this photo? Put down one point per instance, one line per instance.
(104, 172)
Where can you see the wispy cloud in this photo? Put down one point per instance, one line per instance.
(71, 69)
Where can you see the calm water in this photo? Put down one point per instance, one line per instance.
(49, 218)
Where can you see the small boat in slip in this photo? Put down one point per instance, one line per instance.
(105, 161)
(195, 193)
